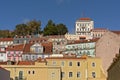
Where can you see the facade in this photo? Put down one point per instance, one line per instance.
(35, 50)
(58, 44)
(98, 32)
(58, 68)
(107, 47)
(21, 39)
(83, 27)
(28, 70)
(4, 42)
(3, 56)
(72, 68)
(4, 74)
(85, 47)
(72, 36)
(14, 52)
(114, 69)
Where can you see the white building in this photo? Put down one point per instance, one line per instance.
(83, 27)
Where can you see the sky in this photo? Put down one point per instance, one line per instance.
(104, 13)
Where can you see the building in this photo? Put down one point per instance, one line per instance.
(98, 32)
(72, 37)
(3, 56)
(114, 69)
(59, 43)
(58, 68)
(28, 51)
(4, 42)
(82, 68)
(83, 27)
(28, 70)
(107, 47)
(35, 50)
(4, 74)
(21, 39)
(81, 47)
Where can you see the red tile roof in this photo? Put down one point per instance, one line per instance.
(85, 19)
(6, 39)
(84, 41)
(15, 47)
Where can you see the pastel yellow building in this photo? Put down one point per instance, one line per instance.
(31, 71)
(58, 68)
(83, 68)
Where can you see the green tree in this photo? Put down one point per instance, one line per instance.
(34, 27)
(61, 29)
(50, 29)
(5, 33)
(21, 30)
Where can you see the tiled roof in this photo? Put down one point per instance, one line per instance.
(3, 63)
(85, 19)
(6, 39)
(15, 47)
(84, 41)
(39, 40)
(48, 47)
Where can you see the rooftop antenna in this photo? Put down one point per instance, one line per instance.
(82, 14)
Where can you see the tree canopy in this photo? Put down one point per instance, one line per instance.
(33, 27)
(54, 29)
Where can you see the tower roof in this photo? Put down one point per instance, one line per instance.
(85, 19)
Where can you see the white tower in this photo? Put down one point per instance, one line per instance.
(83, 27)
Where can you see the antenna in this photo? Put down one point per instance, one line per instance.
(83, 14)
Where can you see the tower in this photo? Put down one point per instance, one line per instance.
(83, 27)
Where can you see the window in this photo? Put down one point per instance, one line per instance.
(93, 64)
(1, 54)
(62, 63)
(33, 72)
(28, 72)
(78, 74)
(93, 74)
(53, 74)
(78, 63)
(70, 74)
(20, 75)
(54, 63)
(62, 74)
(70, 63)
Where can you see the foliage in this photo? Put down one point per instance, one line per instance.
(33, 27)
(52, 29)
(5, 33)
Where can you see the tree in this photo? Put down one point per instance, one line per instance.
(61, 29)
(21, 30)
(50, 29)
(34, 27)
(5, 33)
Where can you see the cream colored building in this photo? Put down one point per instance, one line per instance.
(65, 67)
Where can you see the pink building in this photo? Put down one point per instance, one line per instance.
(107, 47)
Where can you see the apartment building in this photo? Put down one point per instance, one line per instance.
(58, 68)
(81, 47)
